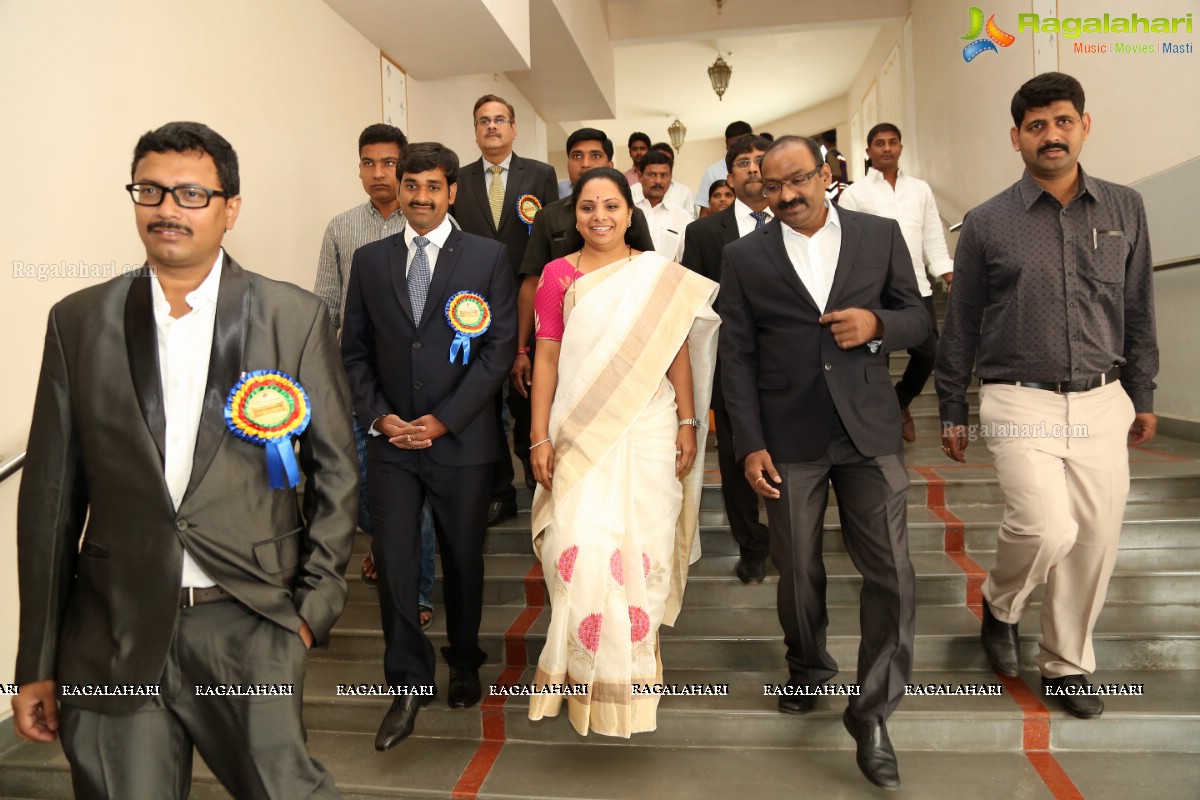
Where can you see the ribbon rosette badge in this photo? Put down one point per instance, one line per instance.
(469, 315)
(268, 408)
(528, 207)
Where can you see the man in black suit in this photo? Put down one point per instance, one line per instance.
(427, 389)
(808, 305)
(161, 572)
(703, 243)
(555, 235)
(493, 210)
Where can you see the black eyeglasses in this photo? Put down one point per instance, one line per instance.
(151, 194)
(744, 163)
(486, 122)
(795, 183)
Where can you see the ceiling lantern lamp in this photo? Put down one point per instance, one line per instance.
(719, 74)
(677, 131)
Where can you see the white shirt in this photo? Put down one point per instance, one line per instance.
(815, 258)
(184, 346)
(677, 195)
(745, 222)
(912, 205)
(666, 227)
(437, 240)
(716, 172)
(504, 166)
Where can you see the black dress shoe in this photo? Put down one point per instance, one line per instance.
(1071, 692)
(875, 755)
(398, 722)
(464, 687)
(500, 510)
(1001, 643)
(751, 570)
(796, 703)
(530, 482)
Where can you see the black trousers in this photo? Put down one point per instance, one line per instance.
(920, 362)
(872, 495)
(458, 497)
(502, 479)
(741, 501)
(254, 745)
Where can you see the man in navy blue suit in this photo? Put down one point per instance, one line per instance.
(429, 334)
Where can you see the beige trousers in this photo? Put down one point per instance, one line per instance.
(1063, 464)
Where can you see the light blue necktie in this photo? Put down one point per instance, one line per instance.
(760, 219)
(418, 278)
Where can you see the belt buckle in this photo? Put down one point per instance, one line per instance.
(191, 597)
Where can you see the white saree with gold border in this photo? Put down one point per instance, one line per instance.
(617, 534)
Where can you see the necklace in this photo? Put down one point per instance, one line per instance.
(579, 274)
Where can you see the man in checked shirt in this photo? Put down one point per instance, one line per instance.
(1053, 305)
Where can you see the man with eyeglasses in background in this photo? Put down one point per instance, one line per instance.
(554, 236)
(704, 243)
(169, 589)
(809, 306)
(499, 196)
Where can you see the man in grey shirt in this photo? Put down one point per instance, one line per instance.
(1053, 306)
(380, 148)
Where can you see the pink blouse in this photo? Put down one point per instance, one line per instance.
(557, 277)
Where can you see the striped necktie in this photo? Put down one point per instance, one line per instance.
(496, 194)
(418, 278)
(760, 219)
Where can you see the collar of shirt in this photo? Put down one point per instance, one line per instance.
(876, 176)
(504, 165)
(743, 211)
(203, 295)
(1031, 190)
(831, 219)
(373, 211)
(437, 237)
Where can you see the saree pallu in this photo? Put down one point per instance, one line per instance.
(617, 534)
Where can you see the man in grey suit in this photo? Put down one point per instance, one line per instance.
(183, 615)
(808, 303)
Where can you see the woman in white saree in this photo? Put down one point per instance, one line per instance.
(621, 383)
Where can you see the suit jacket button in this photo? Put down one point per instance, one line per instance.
(416, 345)
(418, 385)
(181, 525)
(828, 366)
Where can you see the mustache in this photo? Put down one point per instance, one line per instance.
(795, 202)
(1053, 146)
(163, 225)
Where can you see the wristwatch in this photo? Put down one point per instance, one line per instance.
(695, 423)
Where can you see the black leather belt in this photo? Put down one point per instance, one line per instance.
(1064, 387)
(190, 596)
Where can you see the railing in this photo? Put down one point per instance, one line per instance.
(11, 465)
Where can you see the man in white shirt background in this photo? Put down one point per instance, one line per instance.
(667, 221)
(717, 170)
(678, 195)
(888, 192)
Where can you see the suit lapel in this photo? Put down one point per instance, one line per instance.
(446, 261)
(141, 346)
(729, 227)
(477, 180)
(516, 179)
(846, 257)
(224, 365)
(777, 254)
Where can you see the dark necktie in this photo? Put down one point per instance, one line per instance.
(418, 278)
(760, 219)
